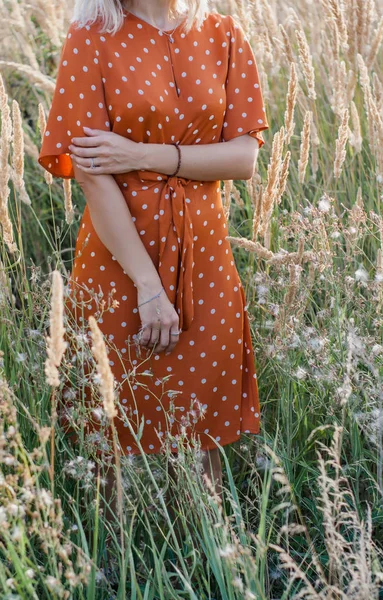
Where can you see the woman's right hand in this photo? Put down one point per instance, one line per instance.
(156, 329)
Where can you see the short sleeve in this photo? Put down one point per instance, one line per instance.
(245, 110)
(78, 101)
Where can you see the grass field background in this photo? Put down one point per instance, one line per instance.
(302, 513)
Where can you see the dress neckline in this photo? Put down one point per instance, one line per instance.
(130, 14)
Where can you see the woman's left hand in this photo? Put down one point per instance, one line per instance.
(112, 153)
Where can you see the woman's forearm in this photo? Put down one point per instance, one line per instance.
(114, 226)
(234, 159)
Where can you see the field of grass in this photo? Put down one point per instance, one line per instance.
(302, 510)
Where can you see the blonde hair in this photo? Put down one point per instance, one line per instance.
(111, 13)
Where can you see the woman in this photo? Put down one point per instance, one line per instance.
(145, 96)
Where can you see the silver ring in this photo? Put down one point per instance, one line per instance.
(92, 165)
(175, 333)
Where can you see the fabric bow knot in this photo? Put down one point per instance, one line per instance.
(175, 243)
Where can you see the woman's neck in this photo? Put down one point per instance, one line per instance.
(155, 12)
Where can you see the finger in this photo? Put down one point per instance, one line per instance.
(144, 335)
(164, 339)
(154, 339)
(86, 162)
(173, 339)
(86, 142)
(91, 131)
(86, 152)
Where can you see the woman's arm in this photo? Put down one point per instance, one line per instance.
(234, 159)
(114, 226)
(113, 154)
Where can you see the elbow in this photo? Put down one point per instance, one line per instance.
(249, 162)
(249, 167)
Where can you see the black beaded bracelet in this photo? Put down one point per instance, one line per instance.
(176, 144)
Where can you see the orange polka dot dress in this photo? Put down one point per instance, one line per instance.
(202, 88)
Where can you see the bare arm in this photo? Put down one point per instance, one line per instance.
(115, 228)
(113, 154)
(234, 159)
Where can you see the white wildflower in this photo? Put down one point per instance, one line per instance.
(324, 205)
(228, 550)
(361, 274)
(300, 373)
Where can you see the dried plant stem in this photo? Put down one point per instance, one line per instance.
(56, 345)
(273, 171)
(305, 147)
(290, 102)
(18, 153)
(340, 154)
(306, 62)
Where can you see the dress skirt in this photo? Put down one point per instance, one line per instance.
(201, 89)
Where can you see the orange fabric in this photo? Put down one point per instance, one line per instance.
(202, 89)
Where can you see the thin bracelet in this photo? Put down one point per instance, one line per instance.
(156, 296)
(176, 144)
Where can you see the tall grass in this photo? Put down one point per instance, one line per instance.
(301, 513)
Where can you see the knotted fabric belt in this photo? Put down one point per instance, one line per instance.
(175, 244)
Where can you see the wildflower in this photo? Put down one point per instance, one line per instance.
(324, 205)
(238, 583)
(45, 497)
(30, 573)
(16, 534)
(361, 274)
(228, 550)
(3, 515)
(300, 373)
(54, 585)
(316, 344)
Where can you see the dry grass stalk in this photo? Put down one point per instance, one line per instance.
(287, 45)
(103, 368)
(306, 62)
(5, 288)
(374, 117)
(377, 87)
(273, 171)
(35, 77)
(258, 202)
(360, 26)
(277, 258)
(374, 121)
(18, 153)
(237, 197)
(305, 146)
(339, 102)
(283, 177)
(269, 19)
(295, 272)
(340, 152)
(351, 85)
(42, 123)
(355, 136)
(357, 215)
(335, 11)
(69, 212)
(376, 43)
(379, 265)
(290, 102)
(56, 345)
(227, 187)
(6, 137)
